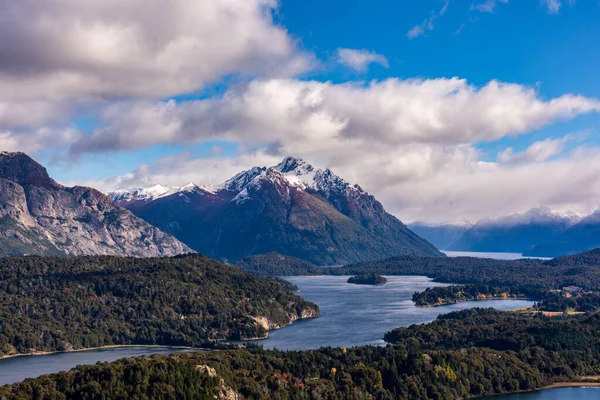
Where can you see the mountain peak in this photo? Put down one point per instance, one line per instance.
(21, 168)
(292, 164)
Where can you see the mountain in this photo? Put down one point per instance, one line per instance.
(291, 208)
(38, 216)
(580, 237)
(441, 236)
(515, 233)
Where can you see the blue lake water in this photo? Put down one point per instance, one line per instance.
(355, 315)
(495, 256)
(351, 315)
(584, 393)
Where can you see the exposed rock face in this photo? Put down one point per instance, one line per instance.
(291, 208)
(39, 216)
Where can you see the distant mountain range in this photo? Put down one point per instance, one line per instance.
(291, 208)
(38, 216)
(538, 232)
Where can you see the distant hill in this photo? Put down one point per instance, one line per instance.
(515, 233)
(583, 236)
(277, 264)
(38, 216)
(292, 209)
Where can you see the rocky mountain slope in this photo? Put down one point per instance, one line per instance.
(291, 208)
(38, 216)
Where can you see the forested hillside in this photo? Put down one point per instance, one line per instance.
(460, 355)
(49, 304)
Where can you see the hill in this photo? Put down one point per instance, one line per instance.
(51, 304)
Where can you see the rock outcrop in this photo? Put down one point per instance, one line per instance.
(38, 216)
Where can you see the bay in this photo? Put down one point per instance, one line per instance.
(355, 315)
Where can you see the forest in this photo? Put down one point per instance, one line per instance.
(55, 304)
(460, 355)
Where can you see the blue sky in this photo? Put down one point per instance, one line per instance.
(199, 90)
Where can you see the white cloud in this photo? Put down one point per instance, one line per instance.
(428, 23)
(537, 152)
(487, 6)
(359, 60)
(315, 116)
(553, 6)
(407, 141)
(137, 48)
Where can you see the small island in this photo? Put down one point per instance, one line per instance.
(367, 279)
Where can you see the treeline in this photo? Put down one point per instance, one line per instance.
(276, 264)
(460, 355)
(437, 296)
(54, 304)
(367, 279)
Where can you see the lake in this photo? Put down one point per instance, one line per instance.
(583, 393)
(495, 256)
(17, 369)
(351, 315)
(355, 315)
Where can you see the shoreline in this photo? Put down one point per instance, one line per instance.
(563, 385)
(112, 346)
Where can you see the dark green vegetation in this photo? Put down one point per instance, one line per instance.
(327, 221)
(277, 264)
(481, 278)
(49, 304)
(463, 354)
(437, 296)
(581, 270)
(367, 279)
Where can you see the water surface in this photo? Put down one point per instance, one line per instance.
(495, 256)
(583, 393)
(20, 368)
(355, 315)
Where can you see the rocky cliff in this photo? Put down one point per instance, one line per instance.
(38, 216)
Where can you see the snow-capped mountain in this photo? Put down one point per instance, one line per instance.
(292, 208)
(126, 196)
(514, 233)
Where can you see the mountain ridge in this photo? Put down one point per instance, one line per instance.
(42, 217)
(291, 208)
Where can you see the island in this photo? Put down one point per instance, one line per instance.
(367, 279)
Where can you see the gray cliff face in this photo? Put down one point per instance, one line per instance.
(39, 216)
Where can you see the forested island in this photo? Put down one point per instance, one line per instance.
(460, 355)
(57, 304)
(367, 279)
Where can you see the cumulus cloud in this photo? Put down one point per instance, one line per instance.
(359, 60)
(137, 48)
(537, 152)
(315, 116)
(410, 142)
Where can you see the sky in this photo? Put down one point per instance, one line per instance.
(446, 110)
